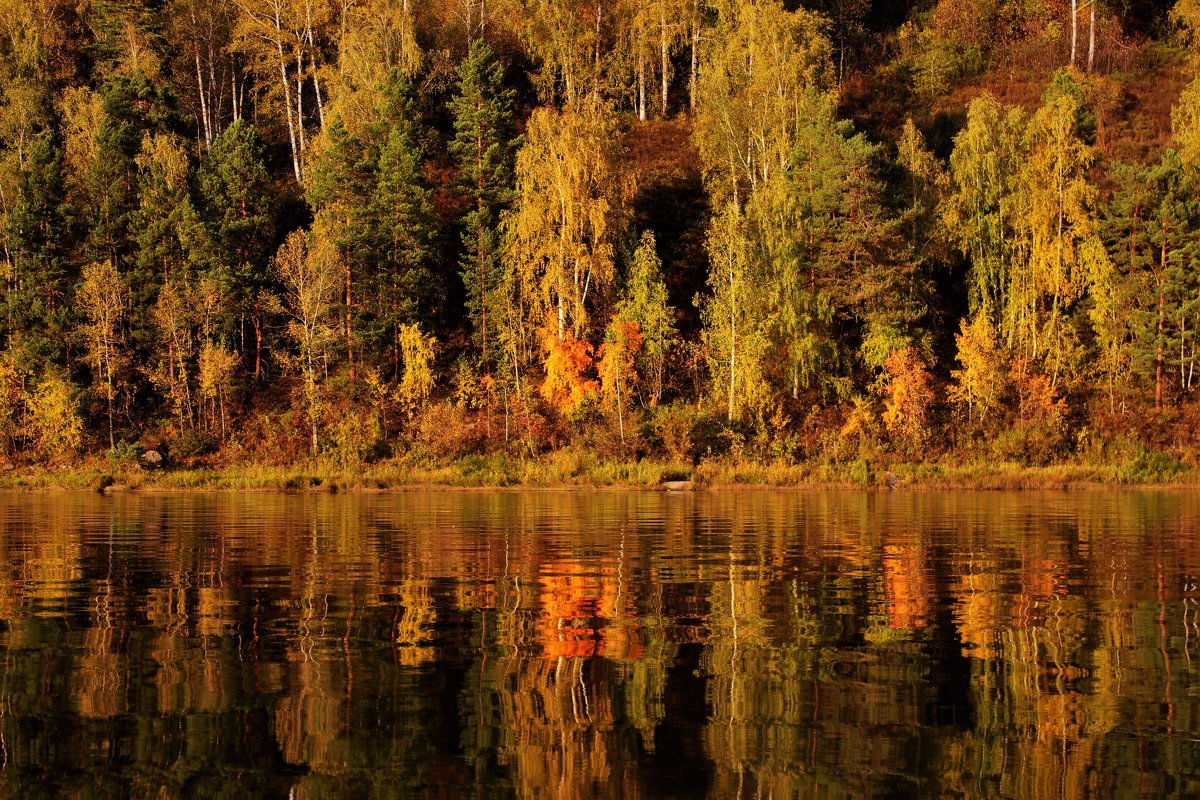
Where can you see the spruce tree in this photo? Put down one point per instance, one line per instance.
(483, 147)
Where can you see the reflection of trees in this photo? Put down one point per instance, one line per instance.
(545, 645)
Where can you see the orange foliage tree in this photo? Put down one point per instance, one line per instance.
(910, 395)
(567, 362)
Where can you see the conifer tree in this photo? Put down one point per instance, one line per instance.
(401, 209)
(38, 311)
(483, 147)
(645, 305)
(238, 205)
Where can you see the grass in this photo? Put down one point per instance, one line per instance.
(575, 468)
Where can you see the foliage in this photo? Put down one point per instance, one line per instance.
(54, 425)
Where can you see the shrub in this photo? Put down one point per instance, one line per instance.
(448, 431)
(125, 452)
(353, 439)
(1150, 466)
(671, 429)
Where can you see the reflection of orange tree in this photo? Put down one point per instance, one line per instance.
(907, 586)
(583, 612)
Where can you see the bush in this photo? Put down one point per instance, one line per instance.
(448, 431)
(193, 443)
(671, 430)
(1150, 466)
(55, 427)
(1034, 444)
(125, 452)
(354, 439)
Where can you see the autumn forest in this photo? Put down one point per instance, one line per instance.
(495, 233)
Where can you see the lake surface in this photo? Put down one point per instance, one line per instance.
(573, 645)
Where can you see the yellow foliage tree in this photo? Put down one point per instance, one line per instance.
(310, 281)
(568, 214)
(101, 297)
(12, 403)
(54, 426)
(617, 365)
(980, 383)
(216, 367)
(417, 350)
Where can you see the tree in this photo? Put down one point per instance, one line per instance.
(1065, 251)
(566, 39)
(172, 316)
(280, 38)
(483, 147)
(909, 397)
(101, 298)
(645, 306)
(656, 28)
(735, 317)
(377, 38)
(307, 268)
(238, 206)
(981, 213)
(417, 351)
(38, 310)
(54, 425)
(762, 62)
(980, 381)
(568, 213)
(201, 32)
(341, 179)
(215, 369)
(568, 360)
(618, 354)
(401, 207)
(172, 243)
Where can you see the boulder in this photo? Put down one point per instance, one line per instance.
(151, 459)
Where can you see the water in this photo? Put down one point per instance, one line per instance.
(572, 645)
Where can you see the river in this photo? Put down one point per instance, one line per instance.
(577, 644)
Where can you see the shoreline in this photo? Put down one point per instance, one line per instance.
(573, 473)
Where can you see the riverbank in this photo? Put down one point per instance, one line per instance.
(570, 469)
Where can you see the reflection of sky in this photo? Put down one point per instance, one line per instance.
(600, 644)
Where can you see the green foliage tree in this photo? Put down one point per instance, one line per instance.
(484, 147)
(402, 214)
(646, 305)
(238, 205)
(38, 310)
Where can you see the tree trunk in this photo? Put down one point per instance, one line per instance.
(349, 318)
(664, 52)
(641, 85)
(256, 321)
(695, 56)
(1092, 37)
(1074, 28)
(287, 100)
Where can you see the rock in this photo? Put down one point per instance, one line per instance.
(678, 486)
(151, 459)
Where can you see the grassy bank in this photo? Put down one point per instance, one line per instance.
(567, 468)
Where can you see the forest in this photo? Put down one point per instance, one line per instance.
(493, 233)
